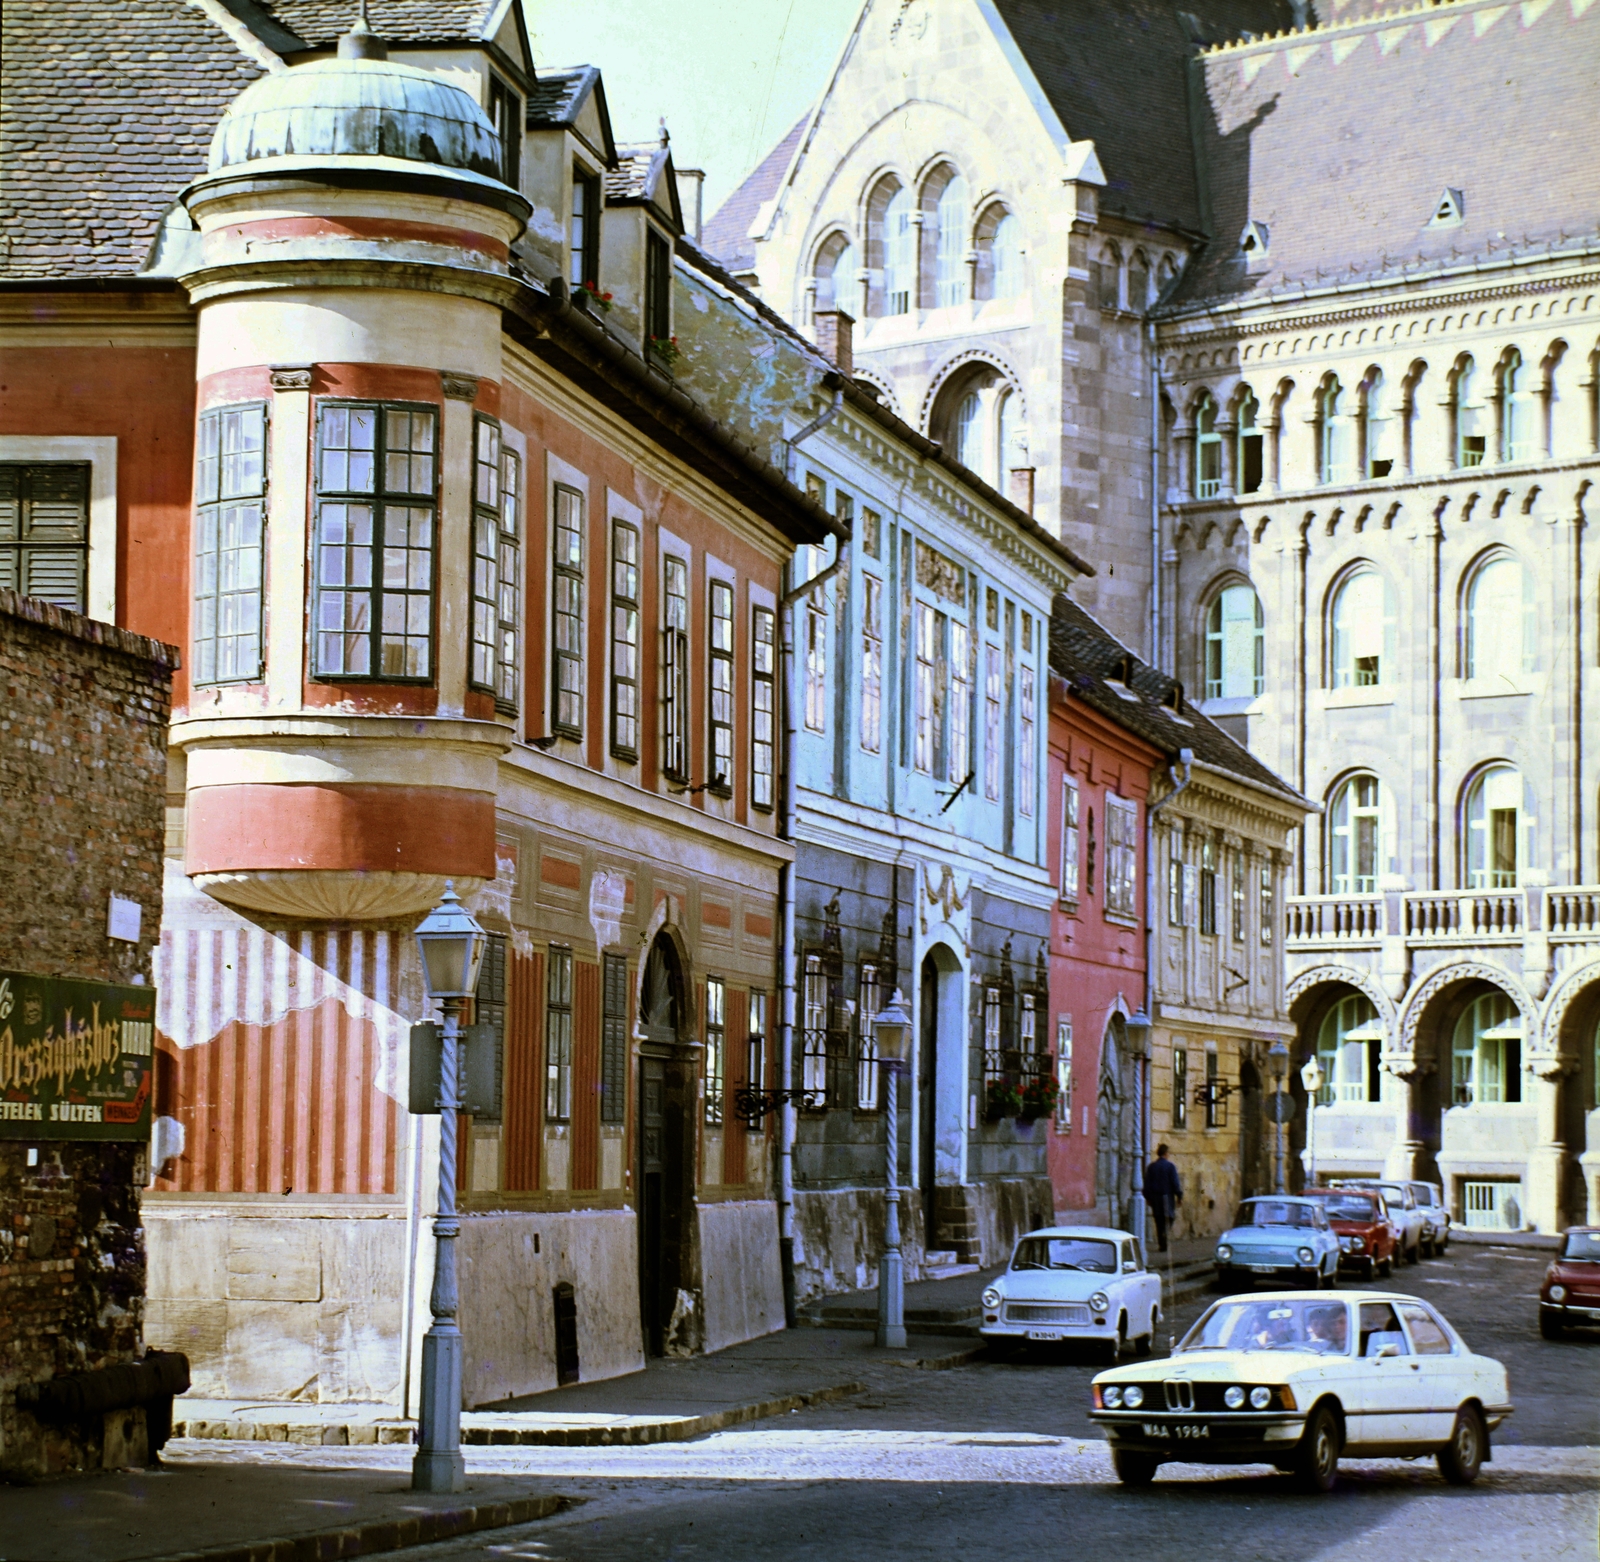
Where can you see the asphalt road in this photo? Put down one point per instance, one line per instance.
(998, 1460)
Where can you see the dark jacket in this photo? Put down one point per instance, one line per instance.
(1161, 1182)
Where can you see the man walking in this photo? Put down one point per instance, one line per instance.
(1163, 1193)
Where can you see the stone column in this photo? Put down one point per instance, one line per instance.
(1406, 1150)
(1547, 1161)
(1229, 431)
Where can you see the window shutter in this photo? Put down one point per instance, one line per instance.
(490, 1009)
(614, 1040)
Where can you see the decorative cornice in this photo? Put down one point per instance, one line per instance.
(1450, 976)
(291, 376)
(459, 387)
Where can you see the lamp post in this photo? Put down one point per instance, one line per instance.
(891, 1027)
(1311, 1078)
(1137, 1029)
(451, 945)
(1278, 1067)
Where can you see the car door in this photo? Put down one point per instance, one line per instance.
(1442, 1372)
(1390, 1392)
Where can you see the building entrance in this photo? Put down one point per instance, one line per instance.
(665, 1194)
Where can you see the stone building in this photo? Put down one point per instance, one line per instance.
(83, 720)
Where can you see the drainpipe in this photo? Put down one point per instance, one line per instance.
(1180, 783)
(1155, 497)
(788, 1118)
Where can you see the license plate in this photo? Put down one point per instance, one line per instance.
(1180, 1430)
(1263, 1269)
(1044, 1334)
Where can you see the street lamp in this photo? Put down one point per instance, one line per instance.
(1278, 1067)
(1311, 1078)
(451, 945)
(891, 1027)
(1136, 1027)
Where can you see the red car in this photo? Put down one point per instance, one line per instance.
(1571, 1290)
(1368, 1240)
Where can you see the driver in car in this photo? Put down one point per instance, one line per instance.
(1275, 1331)
(1329, 1333)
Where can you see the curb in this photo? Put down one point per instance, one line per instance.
(365, 1540)
(676, 1429)
(958, 1358)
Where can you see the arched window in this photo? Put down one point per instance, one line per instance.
(899, 253)
(1006, 249)
(1139, 282)
(1235, 645)
(1349, 1047)
(950, 256)
(1519, 410)
(1250, 444)
(968, 429)
(1009, 452)
(834, 274)
(1496, 825)
(1502, 627)
(1337, 429)
(1207, 449)
(1110, 277)
(1466, 408)
(1363, 632)
(1377, 455)
(1358, 831)
(1486, 1052)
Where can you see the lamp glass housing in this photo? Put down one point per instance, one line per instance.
(1137, 1028)
(891, 1029)
(1278, 1061)
(451, 945)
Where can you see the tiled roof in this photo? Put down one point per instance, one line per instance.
(558, 95)
(103, 120)
(320, 22)
(1116, 71)
(1102, 672)
(1342, 141)
(637, 171)
(726, 235)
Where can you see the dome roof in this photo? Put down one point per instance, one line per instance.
(357, 108)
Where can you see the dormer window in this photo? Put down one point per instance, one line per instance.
(1449, 211)
(1253, 243)
(657, 287)
(583, 257)
(505, 114)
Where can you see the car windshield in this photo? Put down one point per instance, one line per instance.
(1274, 1212)
(1350, 1206)
(1066, 1253)
(1423, 1193)
(1270, 1324)
(1582, 1244)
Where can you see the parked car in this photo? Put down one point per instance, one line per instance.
(1570, 1293)
(1074, 1283)
(1408, 1219)
(1299, 1381)
(1281, 1235)
(1368, 1241)
(1436, 1215)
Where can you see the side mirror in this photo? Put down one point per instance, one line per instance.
(1130, 1266)
(1386, 1350)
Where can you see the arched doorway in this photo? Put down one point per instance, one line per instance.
(941, 1084)
(1117, 1120)
(1254, 1168)
(666, 1141)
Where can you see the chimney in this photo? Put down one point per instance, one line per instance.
(1021, 494)
(691, 190)
(835, 339)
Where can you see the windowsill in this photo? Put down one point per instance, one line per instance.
(1234, 705)
(1118, 920)
(1502, 685)
(1346, 699)
(1068, 907)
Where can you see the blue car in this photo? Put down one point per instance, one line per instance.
(1279, 1237)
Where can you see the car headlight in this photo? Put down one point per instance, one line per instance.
(1112, 1395)
(990, 1297)
(1099, 1301)
(1234, 1397)
(1356, 1244)
(1224, 1252)
(1558, 1293)
(1260, 1398)
(1305, 1255)
(1133, 1396)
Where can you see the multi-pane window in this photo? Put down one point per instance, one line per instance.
(926, 706)
(583, 233)
(1069, 839)
(1363, 632)
(1494, 824)
(1175, 878)
(1519, 404)
(1207, 451)
(558, 1036)
(1251, 444)
(230, 501)
(1180, 1087)
(994, 1062)
(755, 1066)
(1028, 1033)
(721, 686)
(624, 640)
(1486, 1052)
(960, 745)
(675, 670)
(1208, 887)
(1028, 738)
(1268, 906)
(44, 533)
(871, 663)
(505, 114)
(485, 554)
(816, 662)
(1338, 435)
(1238, 897)
(716, 1049)
(763, 707)
(1349, 1048)
(1471, 441)
(1355, 831)
(899, 253)
(1502, 620)
(867, 1041)
(993, 736)
(1213, 1095)
(566, 663)
(376, 480)
(872, 534)
(814, 1032)
(1122, 857)
(1064, 1074)
(508, 664)
(950, 254)
(1236, 641)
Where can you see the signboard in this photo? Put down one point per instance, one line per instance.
(75, 1058)
(1280, 1107)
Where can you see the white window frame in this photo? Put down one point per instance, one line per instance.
(100, 452)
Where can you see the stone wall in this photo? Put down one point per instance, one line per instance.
(83, 717)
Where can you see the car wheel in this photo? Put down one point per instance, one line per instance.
(1223, 1281)
(1317, 1459)
(1411, 1255)
(1134, 1469)
(1426, 1248)
(1386, 1266)
(1461, 1457)
(1550, 1324)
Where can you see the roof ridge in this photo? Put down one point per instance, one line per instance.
(1447, 13)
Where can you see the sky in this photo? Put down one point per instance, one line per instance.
(731, 76)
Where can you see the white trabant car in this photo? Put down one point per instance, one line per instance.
(1072, 1283)
(1298, 1380)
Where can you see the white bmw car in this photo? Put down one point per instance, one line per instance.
(1302, 1378)
(1075, 1283)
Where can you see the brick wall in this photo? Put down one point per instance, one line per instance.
(83, 718)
